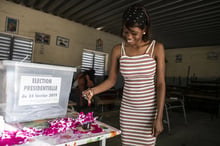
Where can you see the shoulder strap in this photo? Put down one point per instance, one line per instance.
(122, 49)
(153, 45)
(148, 48)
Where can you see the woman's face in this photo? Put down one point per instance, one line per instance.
(133, 35)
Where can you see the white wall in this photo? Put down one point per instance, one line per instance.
(80, 36)
(196, 59)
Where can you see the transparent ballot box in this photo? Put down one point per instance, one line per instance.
(32, 91)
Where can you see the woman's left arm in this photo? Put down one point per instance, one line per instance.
(160, 88)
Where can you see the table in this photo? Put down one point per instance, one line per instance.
(70, 139)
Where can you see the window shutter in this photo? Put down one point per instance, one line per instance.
(87, 60)
(94, 60)
(99, 64)
(15, 48)
(5, 45)
(22, 49)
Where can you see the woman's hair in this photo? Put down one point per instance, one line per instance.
(137, 16)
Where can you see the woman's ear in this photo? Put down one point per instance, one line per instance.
(144, 31)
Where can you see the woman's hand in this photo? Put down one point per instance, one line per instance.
(157, 127)
(88, 94)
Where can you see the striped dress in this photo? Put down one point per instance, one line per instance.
(138, 107)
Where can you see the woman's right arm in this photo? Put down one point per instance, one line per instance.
(112, 78)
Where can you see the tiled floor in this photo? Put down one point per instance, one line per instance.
(201, 130)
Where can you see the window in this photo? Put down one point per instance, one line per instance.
(94, 59)
(15, 48)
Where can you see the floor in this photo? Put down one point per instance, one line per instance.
(202, 129)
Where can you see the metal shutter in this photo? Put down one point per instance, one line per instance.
(15, 48)
(99, 64)
(5, 45)
(22, 49)
(94, 60)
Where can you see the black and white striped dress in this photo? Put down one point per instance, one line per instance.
(138, 107)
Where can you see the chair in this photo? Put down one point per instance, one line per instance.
(174, 100)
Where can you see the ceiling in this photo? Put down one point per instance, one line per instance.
(176, 23)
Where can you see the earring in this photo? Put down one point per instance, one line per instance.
(144, 33)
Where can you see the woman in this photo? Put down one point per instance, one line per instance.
(83, 81)
(141, 63)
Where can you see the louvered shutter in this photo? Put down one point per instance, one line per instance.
(22, 49)
(94, 60)
(15, 48)
(99, 64)
(87, 60)
(5, 45)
